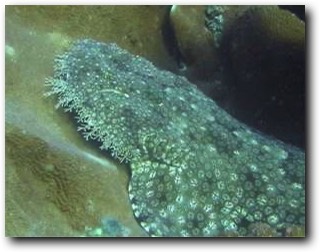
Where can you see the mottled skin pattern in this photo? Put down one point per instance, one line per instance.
(196, 171)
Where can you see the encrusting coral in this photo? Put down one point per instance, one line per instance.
(54, 188)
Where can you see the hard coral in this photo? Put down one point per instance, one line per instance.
(195, 42)
(266, 51)
(58, 190)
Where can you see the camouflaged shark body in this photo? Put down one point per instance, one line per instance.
(196, 171)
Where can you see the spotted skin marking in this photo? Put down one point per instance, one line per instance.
(196, 171)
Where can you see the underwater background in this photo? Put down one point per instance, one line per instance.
(249, 59)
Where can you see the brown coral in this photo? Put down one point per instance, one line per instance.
(194, 40)
(266, 49)
(61, 190)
